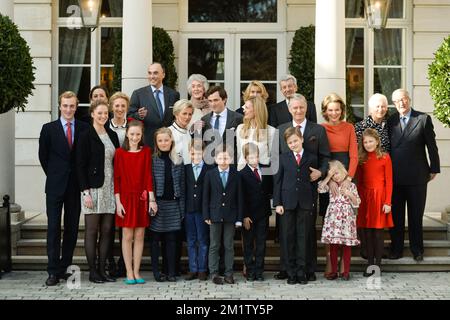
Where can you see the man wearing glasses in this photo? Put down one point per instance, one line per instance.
(410, 132)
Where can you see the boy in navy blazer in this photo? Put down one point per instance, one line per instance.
(57, 143)
(257, 192)
(196, 228)
(293, 197)
(222, 211)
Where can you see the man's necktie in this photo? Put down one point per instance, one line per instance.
(403, 123)
(223, 177)
(159, 104)
(299, 158)
(196, 171)
(69, 134)
(255, 170)
(216, 123)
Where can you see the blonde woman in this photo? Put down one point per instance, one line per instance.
(182, 111)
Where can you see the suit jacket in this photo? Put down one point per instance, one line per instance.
(409, 161)
(279, 113)
(257, 194)
(222, 204)
(291, 184)
(315, 141)
(56, 158)
(143, 97)
(194, 189)
(91, 158)
(178, 177)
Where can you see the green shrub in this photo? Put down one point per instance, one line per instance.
(163, 51)
(439, 75)
(16, 68)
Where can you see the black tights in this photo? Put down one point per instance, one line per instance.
(93, 224)
(374, 245)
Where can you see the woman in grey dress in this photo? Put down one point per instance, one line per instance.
(95, 153)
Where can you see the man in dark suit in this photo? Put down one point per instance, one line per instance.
(410, 133)
(315, 141)
(57, 144)
(279, 113)
(220, 122)
(153, 103)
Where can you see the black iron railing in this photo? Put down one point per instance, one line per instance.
(5, 235)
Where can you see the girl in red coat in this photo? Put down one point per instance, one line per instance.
(374, 176)
(134, 197)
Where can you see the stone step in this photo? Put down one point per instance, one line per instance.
(39, 231)
(38, 247)
(405, 264)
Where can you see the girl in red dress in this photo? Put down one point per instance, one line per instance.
(134, 197)
(374, 176)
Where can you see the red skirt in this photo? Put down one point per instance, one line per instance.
(370, 211)
(136, 211)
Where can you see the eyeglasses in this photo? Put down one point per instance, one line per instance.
(404, 99)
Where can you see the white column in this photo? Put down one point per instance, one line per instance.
(7, 132)
(136, 43)
(330, 51)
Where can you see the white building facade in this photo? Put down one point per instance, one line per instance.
(231, 46)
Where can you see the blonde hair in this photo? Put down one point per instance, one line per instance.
(362, 152)
(119, 95)
(250, 148)
(96, 103)
(68, 95)
(180, 105)
(333, 97)
(173, 155)
(336, 164)
(261, 116)
(255, 83)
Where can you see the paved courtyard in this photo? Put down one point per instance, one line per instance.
(26, 285)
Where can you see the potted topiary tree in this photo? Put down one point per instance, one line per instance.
(439, 76)
(16, 68)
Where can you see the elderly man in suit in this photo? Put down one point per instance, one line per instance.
(279, 113)
(411, 132)
(315, 141)
(222, 121)
(153, 103)
(57, 143)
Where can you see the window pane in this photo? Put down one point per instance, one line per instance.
(109, 37)
(396, 10)
(354, 8)
(355, 86)
(386, 80)
(232, 11)
(112, 8)
(76, 79)
(258, 59)
(65, 5)
(74, 46)
(388, 47)
(358, 112)
(106, 78)
(271, 90)
(354, 50)
(207, 57)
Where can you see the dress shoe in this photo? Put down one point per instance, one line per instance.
(395, 256)
(259, 277)
(140, 281)
(331, 276)
(345, 276)
(107, 278)
(129, 281)
(311, 276)
(171, 279)
(64, 276)
(52, 280)
(292, 280)
(302, 279)
(191, 276)
(94, 277)
(202, 276)
(217, 279)
(282, 275)
(159, 277)
(368, 274)
(250, 277)
(229, 279)
(418, 257)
